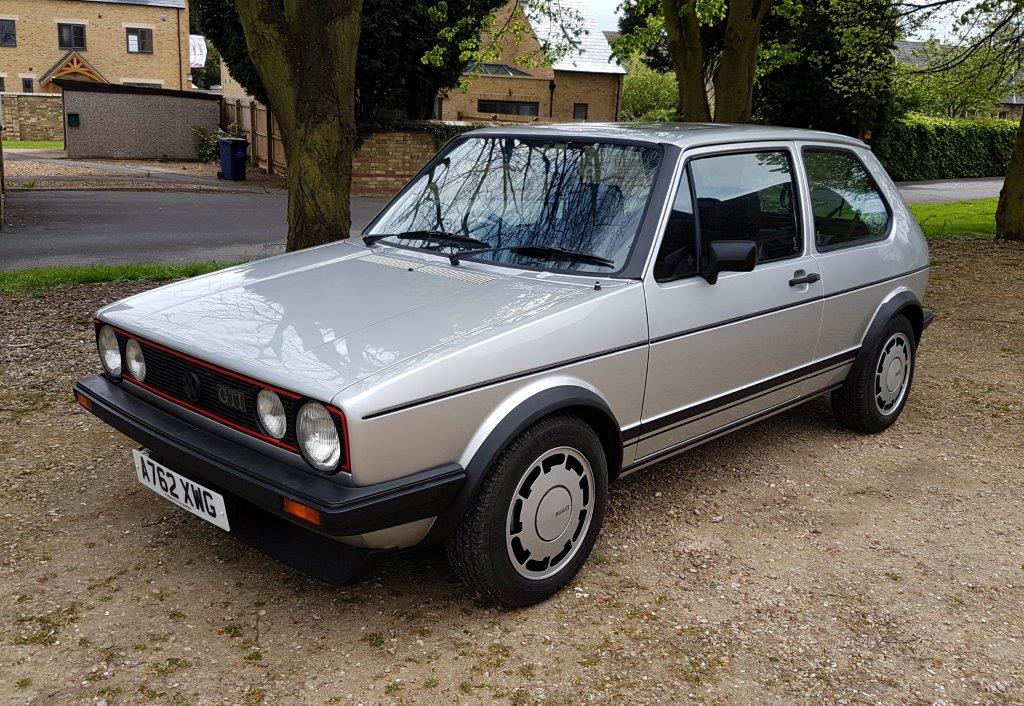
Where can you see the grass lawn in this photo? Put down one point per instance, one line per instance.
(957, 219)
(33, 145)
(42, 278)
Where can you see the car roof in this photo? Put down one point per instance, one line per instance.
(684, 135)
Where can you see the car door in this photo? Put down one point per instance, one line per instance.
(727, 353)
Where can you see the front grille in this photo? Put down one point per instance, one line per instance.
(166, 373)
(225, 397)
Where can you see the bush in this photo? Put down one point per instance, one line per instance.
(648, 95)
(919, 147)
(207, 149)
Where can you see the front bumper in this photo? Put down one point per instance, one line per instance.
(264, 483)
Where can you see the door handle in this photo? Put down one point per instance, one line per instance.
(806, 279)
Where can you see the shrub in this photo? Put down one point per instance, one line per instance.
(918, 147)
(207, 149)
(648, 95)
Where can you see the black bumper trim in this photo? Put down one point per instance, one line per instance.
(264, 481)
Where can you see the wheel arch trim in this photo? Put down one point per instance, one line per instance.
(511, 418)
(902, 301)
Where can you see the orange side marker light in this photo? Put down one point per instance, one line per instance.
(84, 401)
(303, 512)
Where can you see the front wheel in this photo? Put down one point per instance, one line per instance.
(537, 515)
(876, 390)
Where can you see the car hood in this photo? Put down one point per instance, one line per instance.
(319, 320)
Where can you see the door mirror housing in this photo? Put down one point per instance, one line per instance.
(728, 256)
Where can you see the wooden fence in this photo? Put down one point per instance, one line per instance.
(259, 126)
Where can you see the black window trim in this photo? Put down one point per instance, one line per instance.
(14, 34)
(127, 47)
(890, 214)
(85, 38)
(686, 173)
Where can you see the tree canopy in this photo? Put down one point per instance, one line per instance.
(407, 51)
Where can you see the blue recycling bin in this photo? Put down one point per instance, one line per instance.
(234, 152)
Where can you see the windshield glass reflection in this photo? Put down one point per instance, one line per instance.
(582, 197)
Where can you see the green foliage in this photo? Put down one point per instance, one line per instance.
(43, 278)
(956, 219)
(919, 147)
(648, 95)
(952, 83)
(407, 51)
(222, 27)
(441, 132)
(828, 64)
(207, 148)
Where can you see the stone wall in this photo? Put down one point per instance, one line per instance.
(28, 116)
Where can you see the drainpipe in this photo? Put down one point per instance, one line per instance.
(551, 99)
(618, 97)
(181, 82)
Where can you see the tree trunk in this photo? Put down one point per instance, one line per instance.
(1010, 213)
(305, 52)
(687, 53)
(734, 79)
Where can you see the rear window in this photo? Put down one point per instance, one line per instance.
(848, 207)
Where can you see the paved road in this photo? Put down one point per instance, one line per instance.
(81, 227)
(47, 228)
(949, 190)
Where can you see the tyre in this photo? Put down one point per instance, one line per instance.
(876, 389)
(536, 517)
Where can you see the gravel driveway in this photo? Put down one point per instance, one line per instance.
(793, 562)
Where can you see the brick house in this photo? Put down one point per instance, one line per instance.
(585, 85)
(128, 42)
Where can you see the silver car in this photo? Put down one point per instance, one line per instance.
(538, 313)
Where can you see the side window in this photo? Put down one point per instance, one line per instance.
(749, 196)
(678, 254)
(848, 209)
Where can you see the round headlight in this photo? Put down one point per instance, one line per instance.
(271, 413)
(318, 437)
(110, 352)
(134, 360)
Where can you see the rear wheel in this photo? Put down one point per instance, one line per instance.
(537, 515)
(876, 390)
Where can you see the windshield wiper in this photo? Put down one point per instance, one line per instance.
(544, 252)
(430, 236)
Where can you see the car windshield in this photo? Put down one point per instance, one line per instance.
(549, 204)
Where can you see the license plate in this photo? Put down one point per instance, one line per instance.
(187, 494)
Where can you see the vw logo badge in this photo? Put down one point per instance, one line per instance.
(193, 387)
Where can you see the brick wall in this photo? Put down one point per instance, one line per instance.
(32, 116)
(599, 92)
(387, 160)
(37, 48)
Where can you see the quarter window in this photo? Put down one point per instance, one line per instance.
(677, 257)
(139, 40)
(748, 196)
(848, 209)
(71, 36)
(8, 34)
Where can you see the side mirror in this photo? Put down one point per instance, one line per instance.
(728, 256)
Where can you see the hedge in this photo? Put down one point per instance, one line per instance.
(920, 147)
